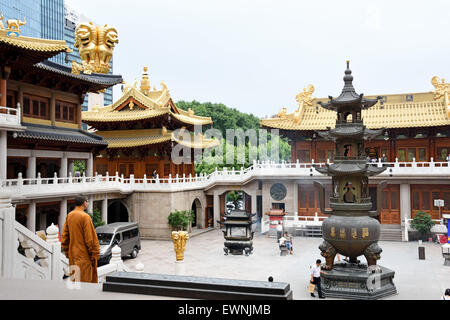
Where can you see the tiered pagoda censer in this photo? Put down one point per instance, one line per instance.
(238, 233)
(351, 230)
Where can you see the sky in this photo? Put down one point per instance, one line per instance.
(257, 55)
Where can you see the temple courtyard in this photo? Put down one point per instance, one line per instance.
(415, 279)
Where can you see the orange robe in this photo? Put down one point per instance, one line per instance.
(80, 244)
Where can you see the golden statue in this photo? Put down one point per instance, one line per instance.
(179, 239)
(14, 25)
(304, 100)
(95, 45)
(442, 91)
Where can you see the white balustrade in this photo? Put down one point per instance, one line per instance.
(41, 187)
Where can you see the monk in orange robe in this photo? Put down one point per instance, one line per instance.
(80, 243)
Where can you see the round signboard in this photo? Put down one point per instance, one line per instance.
(278, 192)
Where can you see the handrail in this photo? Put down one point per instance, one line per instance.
(116, 182)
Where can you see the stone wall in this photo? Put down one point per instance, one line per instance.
(151, 210)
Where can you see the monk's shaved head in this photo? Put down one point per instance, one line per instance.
(80, 200)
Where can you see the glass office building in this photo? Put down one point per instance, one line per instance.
(23, 9)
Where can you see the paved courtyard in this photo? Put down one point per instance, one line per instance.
(415, 279)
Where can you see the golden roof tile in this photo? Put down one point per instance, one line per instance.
(391, 115)
(144, 137)
(34, 44)
(155, 103)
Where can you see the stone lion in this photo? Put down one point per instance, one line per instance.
(86, 41)
(329, 253)
(373, 254)
(107, 39)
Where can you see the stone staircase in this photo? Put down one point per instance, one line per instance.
(391, 233)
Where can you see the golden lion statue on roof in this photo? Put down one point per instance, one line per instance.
(95, 45)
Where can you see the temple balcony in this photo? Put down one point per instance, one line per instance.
(10, 119)
(72, 186)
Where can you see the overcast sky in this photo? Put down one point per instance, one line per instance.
(257, 55)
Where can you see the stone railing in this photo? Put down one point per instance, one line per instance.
(10, 116)
(41, 187)
(25, 255)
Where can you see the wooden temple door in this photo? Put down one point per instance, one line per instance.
(126, 169)
(390, 211)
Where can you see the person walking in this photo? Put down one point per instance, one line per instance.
(315, 278)
(80, 243)
(279, 230)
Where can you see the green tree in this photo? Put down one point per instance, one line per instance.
(225, 118)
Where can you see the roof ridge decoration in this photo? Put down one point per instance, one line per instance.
(442, 91)
(13, 28)
(95, 45)
(11, 35)
(304, 100)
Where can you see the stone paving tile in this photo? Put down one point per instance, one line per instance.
(204, 257)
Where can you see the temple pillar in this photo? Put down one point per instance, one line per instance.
(90, 208)
(216, 210)
(405, 206)
(64, 165)
(254, 196)
(3, 155)
(62, 215)
(90, 166)
(296, 199)
(31, 170)
(105, 210)
(31, 219)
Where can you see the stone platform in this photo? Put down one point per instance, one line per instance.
(357, 281)
(196, 287)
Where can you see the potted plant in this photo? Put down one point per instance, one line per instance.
(181, 220)
(423, 223)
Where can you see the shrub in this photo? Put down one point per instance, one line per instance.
(181, 219)
(423, 223)
(97, 218)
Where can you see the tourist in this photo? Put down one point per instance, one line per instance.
(446, 295)
(80, 242)
(315, 278)
(289, 242)
(154, 176)
(279, 230)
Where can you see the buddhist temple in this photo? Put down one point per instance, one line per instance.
(418, 129)
(141, 128)
(40, 120)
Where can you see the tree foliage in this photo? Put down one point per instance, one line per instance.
(225, 118)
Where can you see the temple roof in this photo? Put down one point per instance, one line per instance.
(57, 134)
(145, 137)
(33, 49)
(424, 113)
(135, 105)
